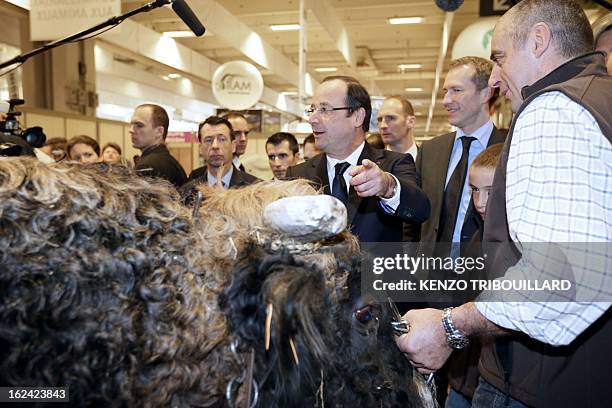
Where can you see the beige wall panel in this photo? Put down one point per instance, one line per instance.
(255, 160)
(128, 152)
(75, 127)
(53, 126)
(110, 132)
(183, 153)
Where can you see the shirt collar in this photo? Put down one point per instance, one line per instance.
(236, 161)
(482, 134)
(352, 158)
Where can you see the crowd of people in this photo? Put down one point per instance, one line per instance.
(546, 179)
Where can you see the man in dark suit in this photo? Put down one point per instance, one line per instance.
(441, 161)
(217, 145)
(148, 130)
(380, 188)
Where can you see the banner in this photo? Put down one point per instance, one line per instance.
(54, 19)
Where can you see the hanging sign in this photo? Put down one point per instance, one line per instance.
(237, 85)
(54, 19)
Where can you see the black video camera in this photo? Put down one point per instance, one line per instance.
(15, 141)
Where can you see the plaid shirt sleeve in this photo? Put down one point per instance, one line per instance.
(558, 190)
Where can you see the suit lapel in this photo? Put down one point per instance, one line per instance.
(496, 137)
(440, 174)
(320, 170)
(236, 180)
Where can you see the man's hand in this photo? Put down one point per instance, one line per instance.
(425, 343)
(369, 180)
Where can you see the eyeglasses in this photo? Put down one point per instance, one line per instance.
(323, 110)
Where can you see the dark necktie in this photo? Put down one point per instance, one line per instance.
(452, 194)
(339, 189)
(241, 167)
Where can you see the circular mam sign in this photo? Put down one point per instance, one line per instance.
(475, 40)
(237, 85)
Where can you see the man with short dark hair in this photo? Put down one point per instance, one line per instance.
(148, 130)
(396, 122)
(217, 145)
(550, 187)
(379, 188)
(240, 134)
(283, 152)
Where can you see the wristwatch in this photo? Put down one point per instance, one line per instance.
(455, 337)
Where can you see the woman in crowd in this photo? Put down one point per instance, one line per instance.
(83, 149)
(111, 154)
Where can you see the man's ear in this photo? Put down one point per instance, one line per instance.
(359, 116)
(411, 121)
(159, 134)
(540, 38)
(485, 94)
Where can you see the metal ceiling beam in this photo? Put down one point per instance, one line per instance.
(446, 31)
(335, 28)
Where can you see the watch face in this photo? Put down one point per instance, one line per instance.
(458, 341)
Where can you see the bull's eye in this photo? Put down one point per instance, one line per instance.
(364, 315)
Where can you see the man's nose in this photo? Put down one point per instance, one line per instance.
(447, 99)
(495, 78)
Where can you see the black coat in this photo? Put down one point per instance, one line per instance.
(158, 162)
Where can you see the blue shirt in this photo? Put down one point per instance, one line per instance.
(482, 135)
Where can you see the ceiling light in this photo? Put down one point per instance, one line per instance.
(285, 27)
(405, 20)
(326, 69)
(413, 89)
(289, 93)
(179, 34)
(165, 77)
(174, 76)
(409, 66)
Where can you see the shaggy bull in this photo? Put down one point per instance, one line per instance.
(110, 287)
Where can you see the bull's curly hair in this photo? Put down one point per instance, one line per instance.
(110, 287)
(101, 288)
(346, 354)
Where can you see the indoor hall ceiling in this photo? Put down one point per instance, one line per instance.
(378, 46)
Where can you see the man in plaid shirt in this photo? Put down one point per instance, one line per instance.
(552, 186)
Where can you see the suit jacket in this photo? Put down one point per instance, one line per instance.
(365, 216)
(432, 165)
(238, 179)
(158, 162)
